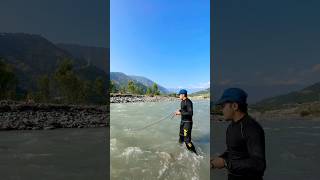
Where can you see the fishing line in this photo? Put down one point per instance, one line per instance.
(171, 115)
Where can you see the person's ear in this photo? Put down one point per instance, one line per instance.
(235, 106)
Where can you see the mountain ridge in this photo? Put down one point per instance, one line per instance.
(308, 94)
(33, 55)
(122, 79)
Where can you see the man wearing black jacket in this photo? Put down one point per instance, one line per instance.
(245, 155)
(186, 112)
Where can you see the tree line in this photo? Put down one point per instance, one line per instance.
(134, 88)
(62, 86)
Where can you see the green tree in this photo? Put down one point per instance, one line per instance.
(44, 88)
(111, 86)
(149, 91)
(139, 90)
(70, 87)
(8, 81)
(131, 87)
(123, 89)
(99, 87)
(155, 89)
(85, 92)
(99, 95)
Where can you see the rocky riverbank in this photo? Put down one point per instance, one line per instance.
(138, 98)
(303, 111)
(35, 116)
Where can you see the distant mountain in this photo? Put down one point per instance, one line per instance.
(35, 51)
(122, 79)
(148, 82)
(32, 56)
(305, 95)
(119, 78)
(202, 92)
(190, 90)
(256, 93)
(97, 56)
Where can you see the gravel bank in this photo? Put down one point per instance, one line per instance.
(35, 116)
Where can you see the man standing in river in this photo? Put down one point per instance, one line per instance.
(186, 112)
(245, 155)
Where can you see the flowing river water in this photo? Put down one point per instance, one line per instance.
(154, 152)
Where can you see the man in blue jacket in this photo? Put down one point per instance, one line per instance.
(186, 112)
(245, 155)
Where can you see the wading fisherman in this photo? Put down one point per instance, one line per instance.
(245, 155)
(186, 113)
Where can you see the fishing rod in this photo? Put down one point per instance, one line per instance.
(171, 115)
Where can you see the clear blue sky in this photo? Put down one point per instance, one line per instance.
(166, 41)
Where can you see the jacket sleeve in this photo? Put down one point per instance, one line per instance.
(226, 152)
(224, 155)
(256, 163)
(189, 109)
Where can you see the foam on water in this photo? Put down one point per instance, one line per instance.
(113, 144)
(165, 159)
(154, 153)
(131, 152)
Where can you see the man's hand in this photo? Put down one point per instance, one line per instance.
(217, 162)
(177, 113)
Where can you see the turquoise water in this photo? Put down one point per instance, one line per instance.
(154, 153)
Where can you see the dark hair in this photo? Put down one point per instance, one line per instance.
(243, 107)
(185, 95)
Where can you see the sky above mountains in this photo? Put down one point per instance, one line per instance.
(266, 42)
(166, 41)
(256, 43)
(81, 22)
